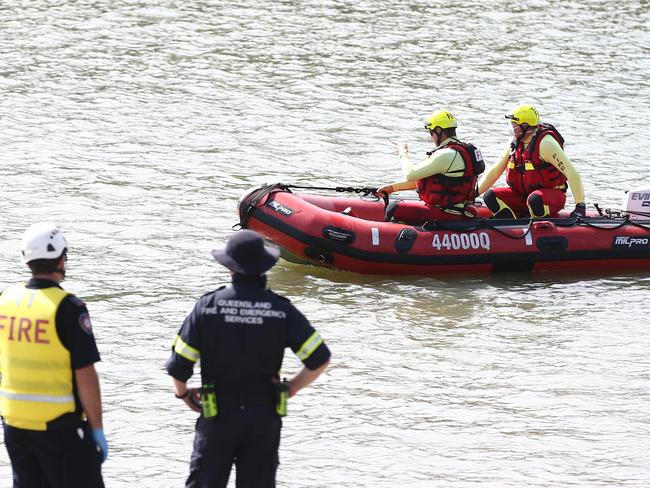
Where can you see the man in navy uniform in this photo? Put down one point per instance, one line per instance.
(240, 333)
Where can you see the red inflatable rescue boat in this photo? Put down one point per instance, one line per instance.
(350, 234)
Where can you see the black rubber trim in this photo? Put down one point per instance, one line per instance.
(513, 266)
(405, 240)
(552, 243)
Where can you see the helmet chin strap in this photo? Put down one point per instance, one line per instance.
(524, 131)
(438, 135)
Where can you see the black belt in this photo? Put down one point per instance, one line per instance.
(231, 399)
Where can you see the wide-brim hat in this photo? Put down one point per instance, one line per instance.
(245, 253)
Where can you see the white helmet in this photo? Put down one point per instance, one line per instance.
(42, 240)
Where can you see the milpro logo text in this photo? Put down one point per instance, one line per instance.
(278, 207)
(628, 241)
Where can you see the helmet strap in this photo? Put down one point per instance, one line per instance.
(524, 131)
(438, 139)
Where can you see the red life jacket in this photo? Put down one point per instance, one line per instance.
(449, 191)
(527, 172)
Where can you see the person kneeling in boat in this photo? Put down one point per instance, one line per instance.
(446, 180)
(537, 171)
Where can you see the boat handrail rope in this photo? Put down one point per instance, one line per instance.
(625, 221)
(617, 213)
(338, 189)
(484, 224)
(267, 189)
(507, 234)
(365, 190)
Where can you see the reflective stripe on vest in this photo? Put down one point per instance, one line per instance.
(36, 398)
(36, 384)
(309, 346)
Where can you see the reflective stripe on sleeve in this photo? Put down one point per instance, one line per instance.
(309, 346)
(26, 397)
(185, 350)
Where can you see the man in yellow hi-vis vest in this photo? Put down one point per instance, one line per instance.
(49, 392)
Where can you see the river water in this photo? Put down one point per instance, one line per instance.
(136, 125)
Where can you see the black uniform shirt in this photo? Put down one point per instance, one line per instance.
(240, 333)
(73, 327)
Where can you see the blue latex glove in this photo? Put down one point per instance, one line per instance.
(100, 440)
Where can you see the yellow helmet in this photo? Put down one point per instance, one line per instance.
(524, 114)
(442, 119)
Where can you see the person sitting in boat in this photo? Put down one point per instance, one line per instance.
(537, 171)
(446, 180)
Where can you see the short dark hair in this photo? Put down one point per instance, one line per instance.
(46, 266)
(450, 132)
(43, 266)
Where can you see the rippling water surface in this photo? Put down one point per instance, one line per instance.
(136, 125)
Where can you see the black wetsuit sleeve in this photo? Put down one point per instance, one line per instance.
(305, 341)
(75, 331)
(186, 347)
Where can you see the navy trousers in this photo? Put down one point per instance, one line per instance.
(248, 437)
(63, 456)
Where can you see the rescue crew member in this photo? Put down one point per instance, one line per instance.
(537, 171)
(49, 393)
(446, 180)
(240, 333)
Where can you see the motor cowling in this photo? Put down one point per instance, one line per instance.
(636, 204)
